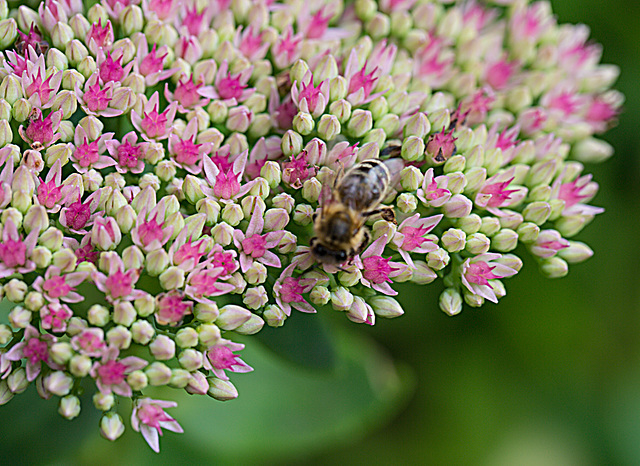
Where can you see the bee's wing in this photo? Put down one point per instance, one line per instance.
(395, 166)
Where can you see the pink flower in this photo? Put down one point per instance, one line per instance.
(441, 146)
(111, 373)
(253, 245)
(128, 154)
(409, 236)
(89, 342)
(148, 418)
(495, 193)
(95, 98)
(171, 309)
(150, 231)
(376, 270)
(186, 94)
(434, 192)
(150, 64)
(40, 91)
(361, 79)
(119, 284)
(225, 183)
(185, 152)
(55, 317)
(250, 42)
(152, 125)
(99, 36)
(478, 270)
(51, 193)
(56, 287)
(220, 358)
(286, 49)
(548, 243)
(161, 9)
(78, 215)
(308, 98)
(15, 252)
(34, 348)
(205, 281)
(41, 132)
(574, 194)
(434, 61)
(114, 7)
(87, 154)
(110, 68)
(297, 170)
(289, 290)
(231, 89)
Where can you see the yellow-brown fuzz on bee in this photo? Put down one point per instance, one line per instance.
(356, 196)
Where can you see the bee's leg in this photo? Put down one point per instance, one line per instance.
(313, 241)
(387, 213)
(365, 241)
(314, 216)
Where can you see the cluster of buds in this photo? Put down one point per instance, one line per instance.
(161, 162)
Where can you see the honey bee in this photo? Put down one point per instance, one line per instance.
(356, 196)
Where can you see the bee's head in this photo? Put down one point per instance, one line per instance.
(326, 255)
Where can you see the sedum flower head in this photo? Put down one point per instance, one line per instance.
(162, 163)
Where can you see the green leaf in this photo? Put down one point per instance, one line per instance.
(283, 411)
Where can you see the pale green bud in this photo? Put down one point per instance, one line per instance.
(298, 70)
(378, 107)
(528, 232)
(252, 326)
(5, 110)
(274, 316)
(319, 295)
(438, 259)
(61, 35)
(98, 315)
(576, 252)
(222, 234)
(11, 89)
(469, 224)
(385, 306)
(303, 123)
(349, 279)
(592, 150)
(19, 317)
(69, 407)
(457, 207)
(360, 123)
(111, 426)
(440, 119)
(413, 149)
(450, 302)
(457, 182)
(142, 332)
(341, 299)
(208, 334)
(329, 127)
(5, 334)
(477, 243)
(232, 214)
(61, 352)
(407, 203)
(65, 259)
(8, 32)
(119, 336)
(505, 240)
(206, 312)
(17, 381)
(537, 212)
(124, 313)
(423, 274)
(172, 278)
(36, 218)
(162, 348)
(411, 178)
(131, 20)
(490, 226)
(303, 214)
(221, 390)
(389, 124)
(454, 240)
(103, 402)
(191, 359)
(21, 110)
(58, 383)
(554, 267)
(472, 299)
(158, 373)
(41, 256)
(510, 219)
(87, 66)
(255, 275)
(571, 225)
(341, 109)
(137, 380)
(557, 208)
(455, 163)
(542, 173)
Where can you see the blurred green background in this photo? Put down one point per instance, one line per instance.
(550, 376)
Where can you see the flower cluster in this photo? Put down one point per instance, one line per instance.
(161, 162)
